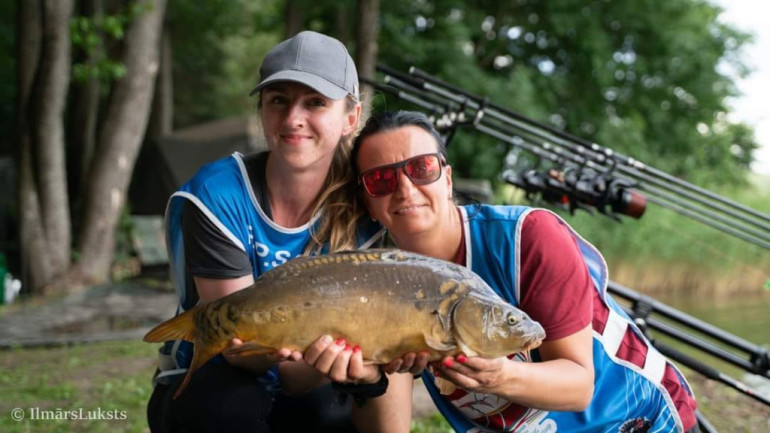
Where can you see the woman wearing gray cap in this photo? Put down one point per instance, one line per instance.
(243, 215)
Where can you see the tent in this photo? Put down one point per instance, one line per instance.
(166, 162)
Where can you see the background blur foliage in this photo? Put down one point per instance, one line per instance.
(644, 77)
(641, 77)
(7, 74)
(217, 48)
(647, 78)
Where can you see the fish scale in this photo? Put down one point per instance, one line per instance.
(388, 302)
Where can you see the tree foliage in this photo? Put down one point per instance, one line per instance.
(218, 47)
(644, 77)
(641, 77)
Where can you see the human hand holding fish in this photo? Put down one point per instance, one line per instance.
(412, 363)
(477, 374)
(258, 363)
(340, 361)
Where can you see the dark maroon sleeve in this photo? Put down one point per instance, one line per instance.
(555, 286)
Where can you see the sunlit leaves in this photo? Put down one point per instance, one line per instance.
(93, 34)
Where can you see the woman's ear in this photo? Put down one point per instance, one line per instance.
(351, 120)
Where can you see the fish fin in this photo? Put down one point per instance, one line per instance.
(437, 344)
(444, 386)
(467, 350)
(180, 327)
(201, 354)
(249, 348)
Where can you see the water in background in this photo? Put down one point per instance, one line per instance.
(747, 317)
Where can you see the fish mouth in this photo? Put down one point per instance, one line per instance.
(533, 345)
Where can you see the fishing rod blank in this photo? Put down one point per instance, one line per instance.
(680, 206)
(634, 171)
(683, 206)
(760, 359)
(601, 156)
(629, 166)
(696, 365)
(710, 372)
(735, 231)
(596, 147)
(405, 96)
(697, 343)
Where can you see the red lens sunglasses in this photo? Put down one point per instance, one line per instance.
(421, 170)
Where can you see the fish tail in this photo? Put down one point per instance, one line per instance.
(180, 327)
(202, 354)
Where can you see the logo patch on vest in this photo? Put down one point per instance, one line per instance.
(638, 425)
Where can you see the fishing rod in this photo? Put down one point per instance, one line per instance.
(734, 350)
(601, 178)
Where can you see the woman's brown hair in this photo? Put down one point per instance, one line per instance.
(340, 214)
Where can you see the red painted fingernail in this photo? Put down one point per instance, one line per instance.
(348, 347)
(340, 342)
(447, 362)
(356, 349)
(462, 359)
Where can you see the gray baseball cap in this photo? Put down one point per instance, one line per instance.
(315, 60)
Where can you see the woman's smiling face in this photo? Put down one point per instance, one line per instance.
(411, 209)
(302, 126)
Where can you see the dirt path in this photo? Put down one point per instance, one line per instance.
(108, 312)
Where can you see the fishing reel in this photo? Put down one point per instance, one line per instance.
(582, 188)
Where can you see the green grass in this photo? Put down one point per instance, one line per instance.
(113, 376)
(432, 424)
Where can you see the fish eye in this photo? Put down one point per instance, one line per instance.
(511, 318)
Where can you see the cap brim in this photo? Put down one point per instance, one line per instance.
(320, 85)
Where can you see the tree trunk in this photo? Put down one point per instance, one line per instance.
(36, 270)
(121, 136)
(162, 114)
(293, 17)
(54, 76)
(342, 23)
(366, 39)
(83, 114)
(43, 178)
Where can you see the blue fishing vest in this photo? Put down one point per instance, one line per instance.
(624, 394)
(223, 192)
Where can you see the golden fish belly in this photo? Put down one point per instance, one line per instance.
(384, 323)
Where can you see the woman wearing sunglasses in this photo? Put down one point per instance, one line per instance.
(594, 371)
(243, 215)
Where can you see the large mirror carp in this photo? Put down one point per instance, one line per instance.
(388, 302)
